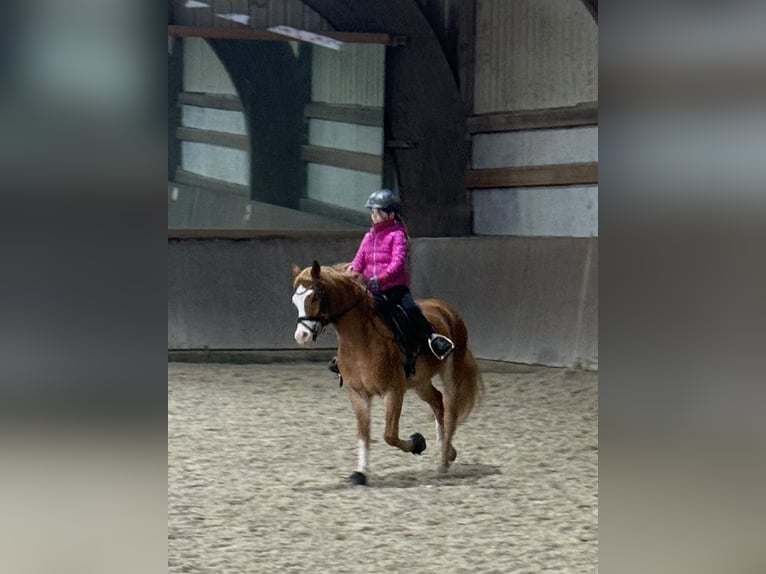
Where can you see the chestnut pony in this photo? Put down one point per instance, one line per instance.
(371, 362)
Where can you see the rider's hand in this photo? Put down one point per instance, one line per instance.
(372, 284)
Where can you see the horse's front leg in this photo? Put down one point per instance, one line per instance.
(361, 405)
(416, 443)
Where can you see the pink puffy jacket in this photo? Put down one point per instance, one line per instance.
(383, 255)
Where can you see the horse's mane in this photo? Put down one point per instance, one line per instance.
(352, 285)
(335, 278)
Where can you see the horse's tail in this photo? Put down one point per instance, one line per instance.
(465, 380)
(464, 383)
(462, 380)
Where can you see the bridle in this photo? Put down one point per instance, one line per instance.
(316, 326)
(319, 321)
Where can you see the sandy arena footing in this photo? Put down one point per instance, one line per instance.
(258, 457)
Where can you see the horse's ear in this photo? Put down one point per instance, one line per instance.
(296, 270)
(315, 268)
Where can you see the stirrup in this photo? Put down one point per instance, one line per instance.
(448, 346)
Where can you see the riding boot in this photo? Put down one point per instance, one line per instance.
(409, 363)
(440, 346)
(333, 367)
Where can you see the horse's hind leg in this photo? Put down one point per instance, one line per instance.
(416, 443)
(361, 405)
(433, 397)
(449, 454)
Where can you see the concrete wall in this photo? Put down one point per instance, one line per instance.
(203, 72)
(534, 54)
(197, 208)
(535, 147)
(353, 76)
(565, 211)
(526, 300)
(217, 162)
(557, 211)
(340, 186)
(235, 294)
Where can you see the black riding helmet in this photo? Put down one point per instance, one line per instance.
(385, 200)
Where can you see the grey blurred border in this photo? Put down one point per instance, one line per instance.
(682, 203)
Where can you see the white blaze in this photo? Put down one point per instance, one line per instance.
(302, 334)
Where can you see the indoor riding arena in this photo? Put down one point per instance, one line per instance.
(284, 117)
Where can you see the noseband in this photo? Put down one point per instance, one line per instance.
(316, 326)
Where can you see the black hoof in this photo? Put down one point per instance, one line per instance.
(418, 443)
(357, 478)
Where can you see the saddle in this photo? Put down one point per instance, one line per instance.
(403, 329)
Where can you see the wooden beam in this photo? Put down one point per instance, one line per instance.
(355, 160)
(242, 33)
(579, 115)
(533, 176)
(359, 115)
(224, 139)
(214, 101)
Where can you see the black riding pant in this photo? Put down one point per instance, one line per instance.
(401, 295)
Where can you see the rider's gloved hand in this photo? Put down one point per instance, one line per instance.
(372, 284)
